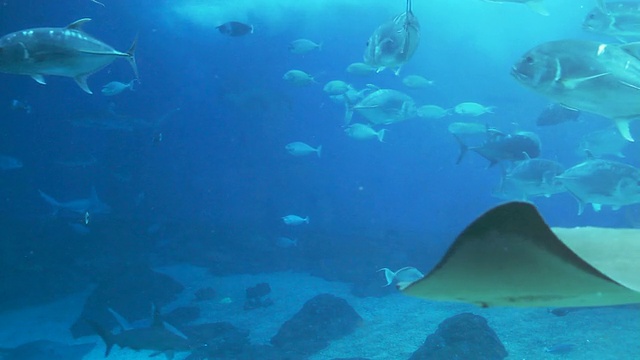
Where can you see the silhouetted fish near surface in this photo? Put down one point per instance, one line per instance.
(555, 114)
(65, 51)
(235, 28)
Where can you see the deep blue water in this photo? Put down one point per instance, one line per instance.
(222, 160)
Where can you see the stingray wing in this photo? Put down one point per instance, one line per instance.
(510, 257)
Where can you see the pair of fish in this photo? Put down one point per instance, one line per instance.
(67, 51)
(585, 75)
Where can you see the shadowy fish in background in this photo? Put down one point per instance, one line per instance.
(560, 349)
(10, 163)
(432, 112)
(21, 105)
(295, 220)
(285, 242)
(299, 148)
(303, 46)
(361, 69)
(65, 51)
(498, 146)
(235, 28)
(529, 178)
(603, 142)
(384, 106)
(393, 43)
(555, 114)
(535, 5)
(116, 87)
(46, 350)
(619, 19)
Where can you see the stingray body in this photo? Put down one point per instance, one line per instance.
(510, 257)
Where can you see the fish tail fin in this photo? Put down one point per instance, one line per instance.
(388, 275)
(319, 151)
(306, 219)
(380, 135)
(320, 46)
(463, 149)
(132, 58)
(106, 336)
(348, 113)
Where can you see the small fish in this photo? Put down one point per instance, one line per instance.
(416, 82)
(298, 78)
(299, 148)
(303, 46)
(362, 132)
(361, 69)
(473, 109)
(21, 105)
(432, 112)
(235, 28)
(116, 87)
(336, 87)
(403, 277)
(295, 220)
(9, 163)
(285, 242)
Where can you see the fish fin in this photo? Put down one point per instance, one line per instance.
(319, 151)
(174, 330)
(97, 2)
(105, 335)
(632, 48)
(596, 207)
(81, 80)
(463, 148)
(348, 114)
(39, 79)
(124, 324)
(380, 134)
(602, 6)
(537, 6)
(131, 56)
(77, 25)
(573, 83)
(388, 275)
(616, 207)
(623, 127)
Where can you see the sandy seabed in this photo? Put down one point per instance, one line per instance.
(394, 326)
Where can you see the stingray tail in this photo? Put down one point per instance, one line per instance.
(105, 335)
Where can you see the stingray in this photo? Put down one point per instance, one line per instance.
(510, 257)
(45, 349)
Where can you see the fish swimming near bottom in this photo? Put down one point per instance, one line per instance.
(46, 350)
(403, 276)
(64, 51)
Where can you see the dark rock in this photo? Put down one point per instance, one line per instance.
(205, 294)
(257, 296)
(321, 319)
(464, 336)
(130, 291)
(221, 341)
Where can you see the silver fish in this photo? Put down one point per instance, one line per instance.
(603, 79)
(617, 19)
(384, 106)
(65, 51)
(393, 43)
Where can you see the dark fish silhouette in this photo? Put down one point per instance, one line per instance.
(235, 28)
(555, 114)
(498, 146)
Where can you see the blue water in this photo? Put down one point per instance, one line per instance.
(221, 166)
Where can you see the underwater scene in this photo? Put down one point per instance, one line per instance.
(319, 179)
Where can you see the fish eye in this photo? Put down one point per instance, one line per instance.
(528, 60)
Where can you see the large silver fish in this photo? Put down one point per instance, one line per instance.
(393, 43)
(617, 19)
(603, 79)
(65, 51)
(384, 106)
(530, 178)
(602, 182)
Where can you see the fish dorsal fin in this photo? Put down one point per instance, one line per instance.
(632, 48)
(526, 155)
(77, 25)
(589, 154)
